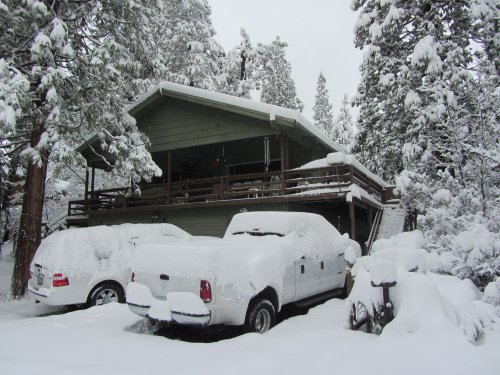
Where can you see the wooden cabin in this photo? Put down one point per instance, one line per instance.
(221, 155)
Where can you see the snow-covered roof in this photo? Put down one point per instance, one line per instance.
(275, 114)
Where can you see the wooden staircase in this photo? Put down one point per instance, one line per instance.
(388, 222)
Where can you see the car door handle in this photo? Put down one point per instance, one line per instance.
(164, 277)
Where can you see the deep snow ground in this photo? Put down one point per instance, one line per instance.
(111, 340)
(36, 339)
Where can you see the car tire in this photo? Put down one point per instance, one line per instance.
(106, 293)
(261, 316)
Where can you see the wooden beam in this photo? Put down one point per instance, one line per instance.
(169, 174)
(93, 178)
(352, 215)
(283, 161)
(287, 159)
(86, 191)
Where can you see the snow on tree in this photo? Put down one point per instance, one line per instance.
(421, 116)
(192, 54)
(322, 109)
(239, 69)
(277, 85)
(66, 72)
(344, 129)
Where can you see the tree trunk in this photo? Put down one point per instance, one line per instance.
(31, 219)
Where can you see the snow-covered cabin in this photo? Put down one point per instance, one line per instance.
(221, 155)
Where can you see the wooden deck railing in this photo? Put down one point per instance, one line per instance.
(335, 178)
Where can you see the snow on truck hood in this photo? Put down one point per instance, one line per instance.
(247, 261)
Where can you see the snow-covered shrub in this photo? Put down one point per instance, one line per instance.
(412, 240)
(423, 302)
(478, 254)
(492, 293)
(458, 224)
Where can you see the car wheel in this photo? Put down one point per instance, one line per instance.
(106, 293)
(261, 316)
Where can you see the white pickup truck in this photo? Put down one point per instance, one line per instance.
(264, 261)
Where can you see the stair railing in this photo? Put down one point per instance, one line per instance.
(374, 230)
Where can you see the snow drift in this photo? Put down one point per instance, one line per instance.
(424, 303)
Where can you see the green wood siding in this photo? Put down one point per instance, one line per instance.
(175, 124)
(213, 221)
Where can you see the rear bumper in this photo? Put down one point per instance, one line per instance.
(179, 308)
(181, 318)
(54, 297)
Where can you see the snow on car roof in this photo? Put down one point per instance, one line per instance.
(280, 222)
(103, 247)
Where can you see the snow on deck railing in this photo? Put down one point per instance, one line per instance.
(316, 178)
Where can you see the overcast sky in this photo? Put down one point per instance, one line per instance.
(319, 34)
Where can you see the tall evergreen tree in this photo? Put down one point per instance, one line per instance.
(322, 110)
(239, 69)
(192, 54)
(404, 89)
(66, 71)
(420, 115)
(277, 84)
(344, 129)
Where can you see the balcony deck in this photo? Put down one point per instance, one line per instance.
(332, 182)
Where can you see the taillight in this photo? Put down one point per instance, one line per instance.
(133, 277)
(59, 279)
(205, 291)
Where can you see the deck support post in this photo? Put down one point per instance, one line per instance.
(284, 159)
(85, 201)
(93, 178)
(352, 215)
(169, 174)
(222, 188)
(370, 217)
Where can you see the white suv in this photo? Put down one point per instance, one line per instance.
(91, 266)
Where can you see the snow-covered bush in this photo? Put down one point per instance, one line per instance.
(423, 301)
(478, 254)
(458, 225)
(492, 293)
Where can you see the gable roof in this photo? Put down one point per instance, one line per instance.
(279, 117)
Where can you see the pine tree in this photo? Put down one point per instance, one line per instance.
(192, 54)
(344, 129)
(323, 115)
(277, 85)
(426, 112)
(239, 69)
(66, 72)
